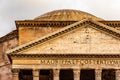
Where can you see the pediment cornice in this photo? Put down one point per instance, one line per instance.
(34, 23)
(97, 25)
(56, 56)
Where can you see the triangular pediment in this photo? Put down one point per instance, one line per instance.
(82, 37)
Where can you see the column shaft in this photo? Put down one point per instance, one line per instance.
(56, 73)
(15, 73)
(98, 73)
(35, 74)
(76, 74)
(118, 74)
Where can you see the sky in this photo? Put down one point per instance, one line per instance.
(11, 10)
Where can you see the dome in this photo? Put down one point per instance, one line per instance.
(66, 15)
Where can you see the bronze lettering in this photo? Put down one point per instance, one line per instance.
(81, 62)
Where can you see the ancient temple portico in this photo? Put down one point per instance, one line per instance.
(66, 45)
(76, 68)
(76, 75)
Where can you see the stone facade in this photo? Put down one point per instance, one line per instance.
(53, 43)
(5, 72)
(85, 40)
(5, 66)
(34, 33)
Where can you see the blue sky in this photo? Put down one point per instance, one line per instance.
(11, 10)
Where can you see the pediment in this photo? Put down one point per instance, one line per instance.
(83, 37)
(85, 40)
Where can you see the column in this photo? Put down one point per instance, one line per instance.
(98, 74)
(118, 74)
(15, 73)
(36, 74)
(76, 74)
(56, 73)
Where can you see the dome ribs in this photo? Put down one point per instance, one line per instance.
(66, 15)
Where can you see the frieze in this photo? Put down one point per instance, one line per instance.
(69, 62)
(79, 62)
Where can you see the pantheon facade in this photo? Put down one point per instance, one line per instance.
(62, 45)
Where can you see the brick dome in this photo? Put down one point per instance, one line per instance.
(66, 15)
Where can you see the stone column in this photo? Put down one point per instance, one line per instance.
(15, 73)
(98, 74)
(76, 74)
(118, 74)
(36, 74)
(56, 73)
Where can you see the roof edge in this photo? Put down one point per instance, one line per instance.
(115, 33)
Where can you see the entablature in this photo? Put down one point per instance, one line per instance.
(32, 23)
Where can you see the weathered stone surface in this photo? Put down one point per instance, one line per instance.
(80, 41)
(10, 44)
(27, 34)
(5, 72)
(5, 67)
(1, 53)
